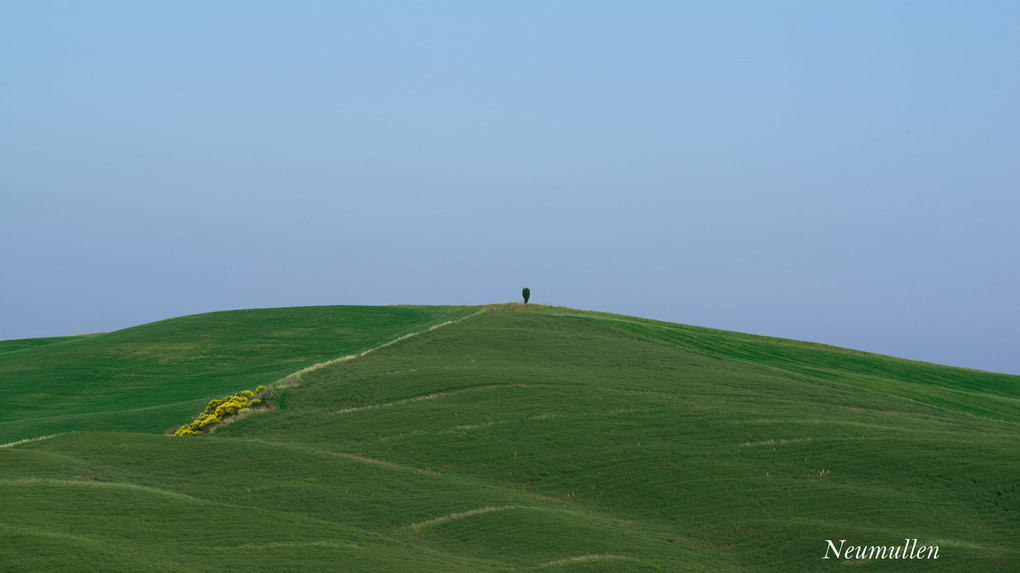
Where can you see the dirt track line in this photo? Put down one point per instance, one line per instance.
(490, 509)
(432, 396)
(585, 559)
(26, 440)
(277, 544)
(294, 378)
(462, 515)
(101, 484)
(775, 442)
(389, 464)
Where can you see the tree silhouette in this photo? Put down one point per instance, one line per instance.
(527, 294)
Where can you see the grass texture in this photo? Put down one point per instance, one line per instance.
(514, 439)
(151, 377)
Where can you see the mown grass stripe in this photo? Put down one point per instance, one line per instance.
(294, 378)
(94, 483)
(490, 509)
(27, 440)
(462, 515)
(431, 396)
(585, 559)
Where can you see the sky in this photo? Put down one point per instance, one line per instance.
(840, 172)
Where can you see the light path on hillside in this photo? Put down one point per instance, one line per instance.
(473, 512)
(294, 378)
(489, 509)
(93, 483)
(585, 559)
(26, 440)
(432, 396)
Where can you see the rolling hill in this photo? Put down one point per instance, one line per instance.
(497, 438)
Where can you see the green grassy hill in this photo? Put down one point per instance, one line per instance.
(509, 439)
(151, 377)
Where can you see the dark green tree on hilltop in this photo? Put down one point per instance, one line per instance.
(527, 294)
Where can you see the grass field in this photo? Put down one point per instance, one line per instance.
(153, 376)
(509, 439)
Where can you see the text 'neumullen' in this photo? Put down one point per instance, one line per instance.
(907, 551)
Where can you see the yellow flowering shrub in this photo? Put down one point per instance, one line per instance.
(213, 404)
(220, 409)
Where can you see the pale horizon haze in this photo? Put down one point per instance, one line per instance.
(839, 172)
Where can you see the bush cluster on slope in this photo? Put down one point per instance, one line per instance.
(220, 409)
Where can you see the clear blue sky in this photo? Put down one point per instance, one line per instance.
(843, 172)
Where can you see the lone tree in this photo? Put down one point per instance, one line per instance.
(526, 293)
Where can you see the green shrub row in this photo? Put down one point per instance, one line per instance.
(221, 409)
